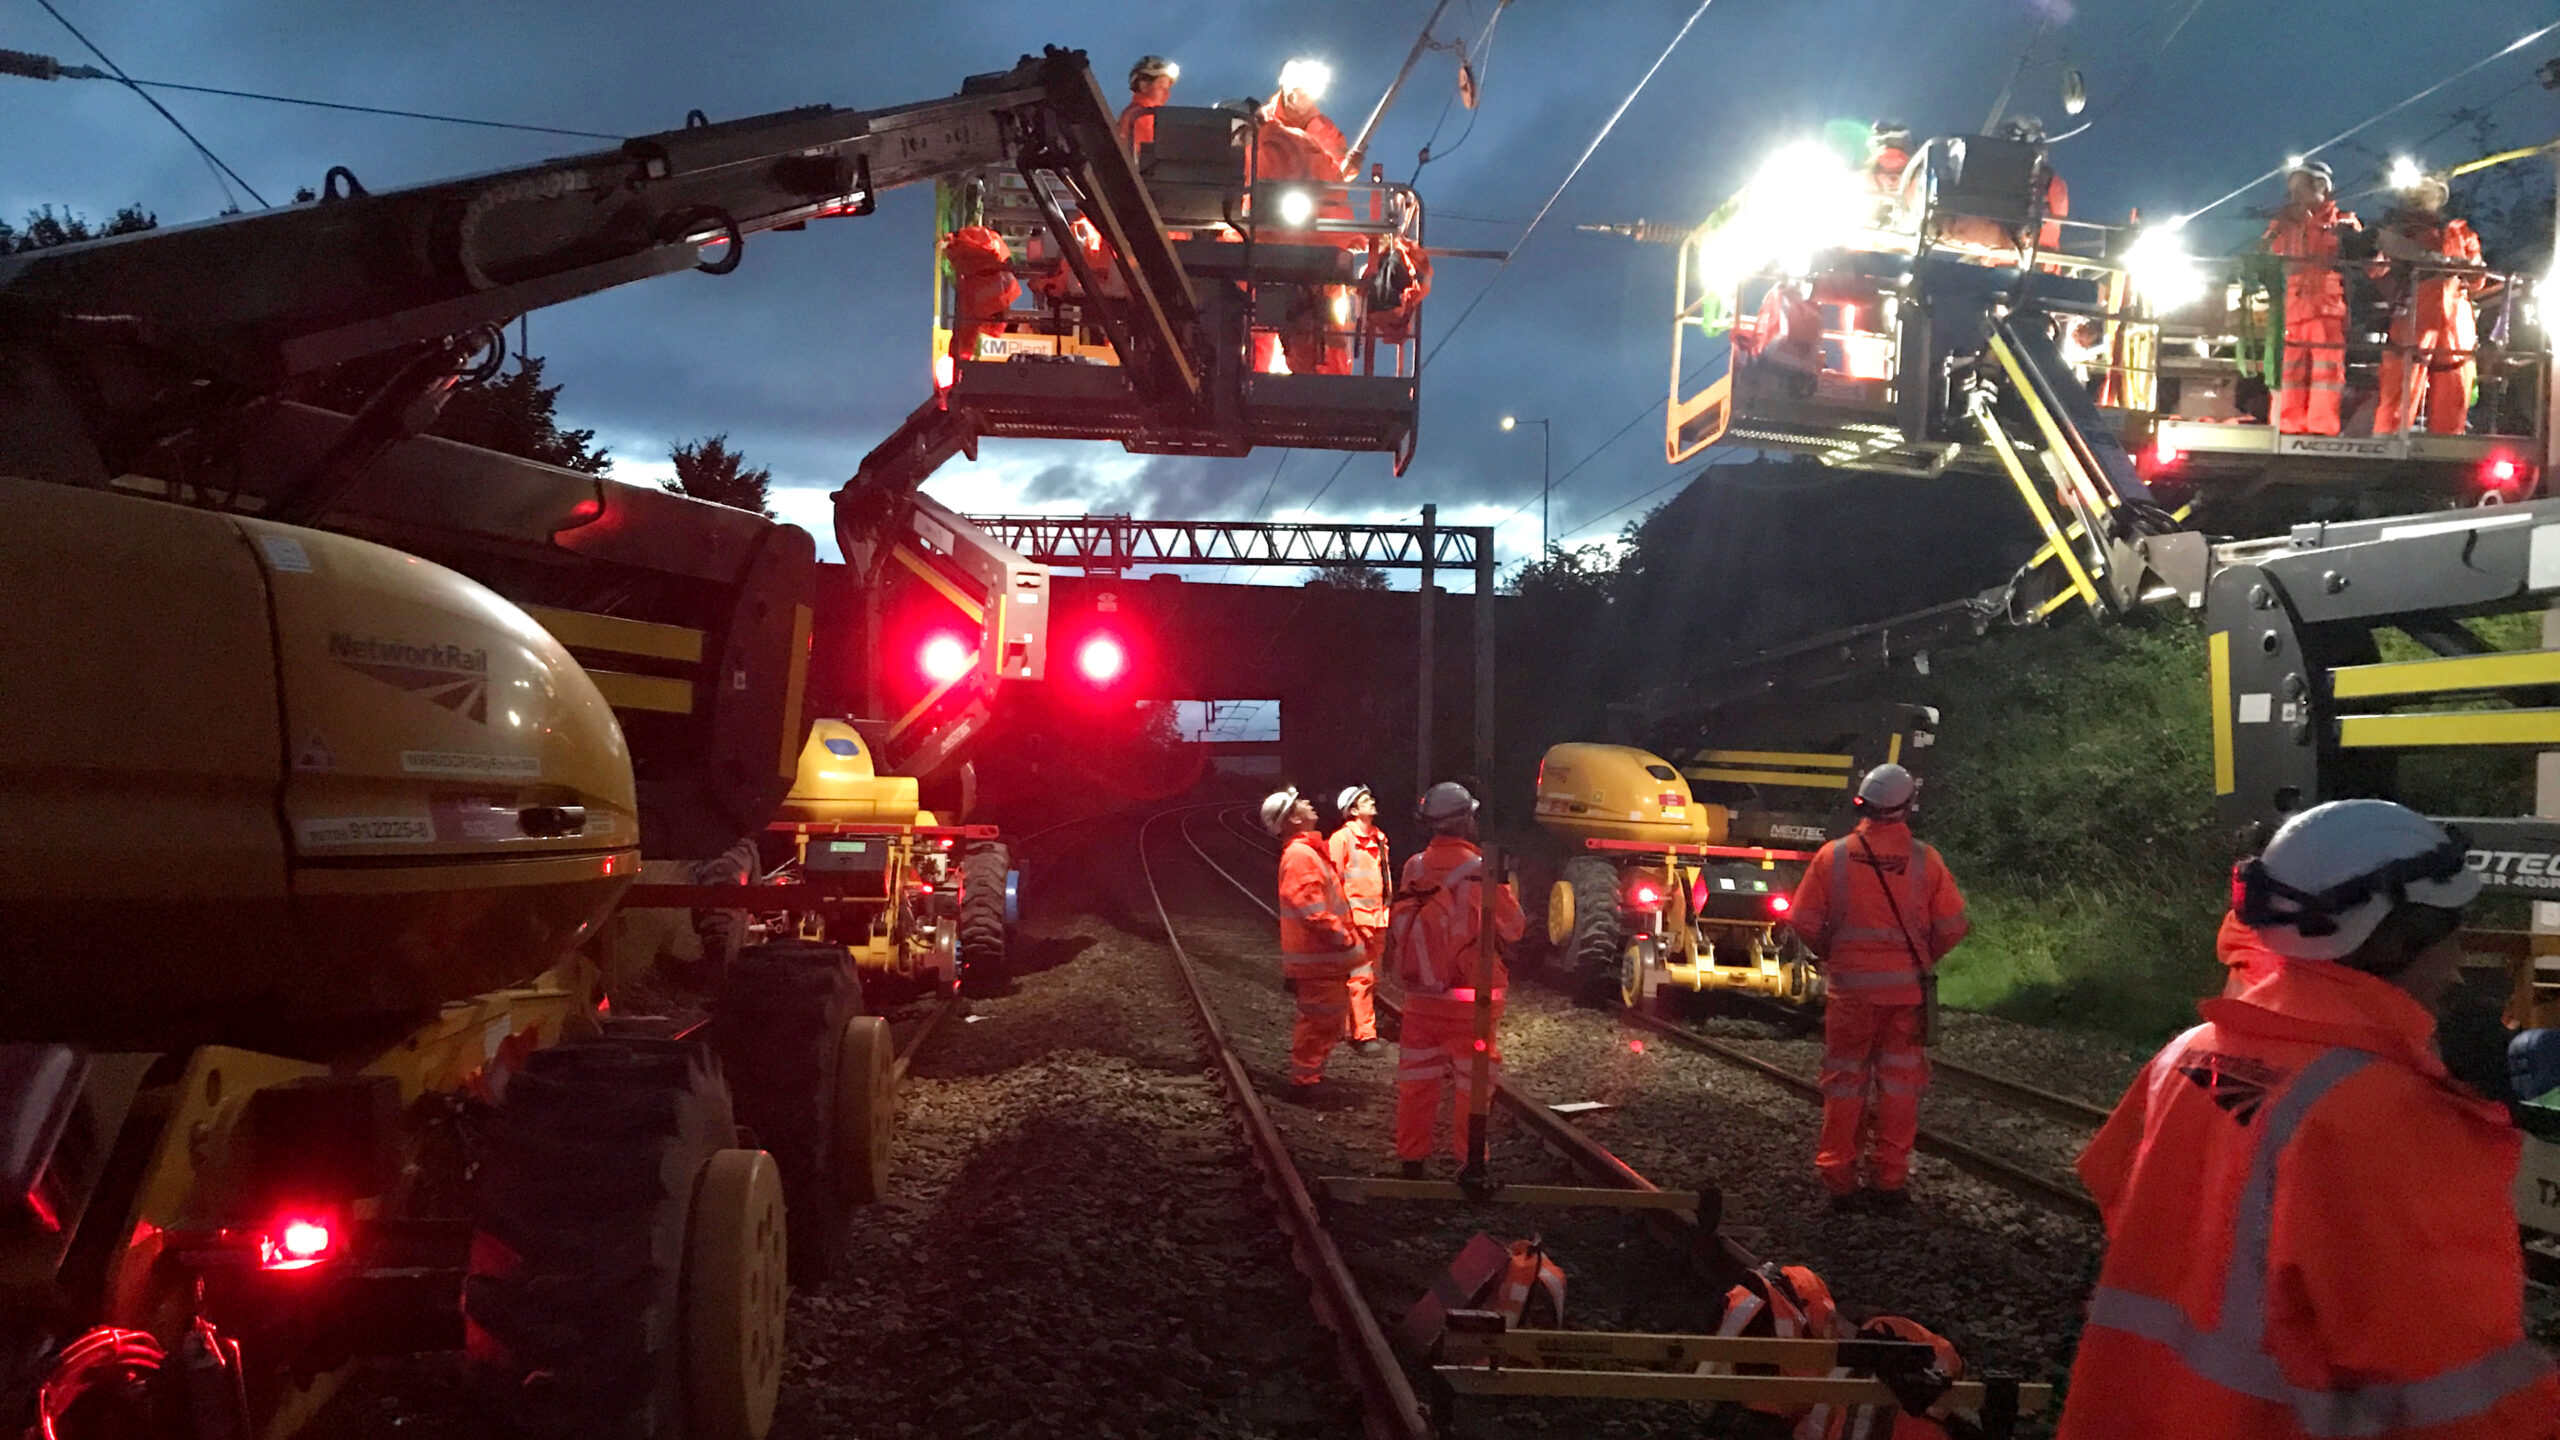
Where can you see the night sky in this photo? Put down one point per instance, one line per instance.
(817, 346)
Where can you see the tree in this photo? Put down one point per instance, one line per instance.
(45, 229)
(514, 413)
(710, 470)
(1347, 575)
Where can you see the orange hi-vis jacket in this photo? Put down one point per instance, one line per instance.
(1875, 945)
(2308, 1234)
(2309, 233)
(1360, 853)
(1316, 937)
(1438, 924)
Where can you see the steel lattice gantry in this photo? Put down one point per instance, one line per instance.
(1112, 543)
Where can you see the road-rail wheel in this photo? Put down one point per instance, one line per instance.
(736, 1283)
(779, 1026)
(1587, 933)
(866, 1109)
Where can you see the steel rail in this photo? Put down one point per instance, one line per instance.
(917, 1037)
(2018, 1179)
(1389, 1408)
(1718, 1257)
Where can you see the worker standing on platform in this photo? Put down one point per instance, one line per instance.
(1296, 141)
(1360, 855)
(2288, 1184)
(1436, 946)
(2434, 352)
(2305, 233)
(1150, 87)
(1318, 944)
(1879, 909)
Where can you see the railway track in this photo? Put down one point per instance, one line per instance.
(2030, 1182)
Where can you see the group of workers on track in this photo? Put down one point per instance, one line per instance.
(2308, 1223)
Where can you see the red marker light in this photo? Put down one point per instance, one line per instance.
(1635, 1047)
(2165, 451)
(1101, 659)
(944, 659)
(2500, 472)
(1479, 1044)
(1780, 904)
(298, 1244)
(945, 371)
(1644, 895)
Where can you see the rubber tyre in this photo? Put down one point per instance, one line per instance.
(1594, 944)
(778, 1025)
(573, 1303)
(866, 1110)
(736, 1287)
(724, 932)
(983, 941)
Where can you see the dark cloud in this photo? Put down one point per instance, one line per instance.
(816, 348)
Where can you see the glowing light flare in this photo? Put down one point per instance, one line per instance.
(2165, 451)
(1510, 422)
(2163, 270)
(945, 371)
(1102, 659)
(1804, 199)
(1340, 306)
(1296, 207)
(2405, 173)
(1644, 895)
(1781, 904)
(2502, 474)
(945, 659)
(299, 1243)
(1308, 77)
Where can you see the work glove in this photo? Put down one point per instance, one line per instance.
(2533, 1062)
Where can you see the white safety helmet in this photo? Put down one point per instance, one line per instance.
(1887, 788)
(1445, 801)
(1276, 808)
(2334, 871)
(2316, 169)
(1349, 797)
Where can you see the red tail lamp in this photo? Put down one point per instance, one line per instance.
(1644, 894)
(297, 1242)
(1781, 904)
(944, 659)
(2165, 451)
(1102, 659)
(2502, 473)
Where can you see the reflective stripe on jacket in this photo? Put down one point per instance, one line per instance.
(1360, 853)
(1844, 914)
(2309, 1234)
(1438, 918)
(1314, 918)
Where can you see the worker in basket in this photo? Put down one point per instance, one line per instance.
(2306, 233)
(1318, 944)
(1435, 942)
(1360, 854)
(1880, 910)
(1300, 159)
(1150, 89)
(2308, 1220)
(2433, 357)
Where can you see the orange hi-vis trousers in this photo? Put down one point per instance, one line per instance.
(1324, 1006)
(1436, 1052)
(1873, 1070)
(1363, 982)
(2314, 379)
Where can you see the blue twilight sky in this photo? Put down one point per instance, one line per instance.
(817, 346)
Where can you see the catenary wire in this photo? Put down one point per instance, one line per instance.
(1587, 152)
(219, 166)
(369, 109)
(2381, 115)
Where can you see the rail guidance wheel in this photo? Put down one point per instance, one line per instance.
(736, 1280)
(1635, 971)
(866, 1111)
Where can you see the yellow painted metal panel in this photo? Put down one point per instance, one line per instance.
(794, 690)
(2460, 727)
(581, 631)
(2459, 672)
(1797, 778)
(976, 612)
(1811, 760)
(644, 692)
(2218, 661)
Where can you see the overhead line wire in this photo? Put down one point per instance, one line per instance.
(220, 167)
(369, 109)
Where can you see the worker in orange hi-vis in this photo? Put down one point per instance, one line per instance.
(1435, 943)
(2287, 1184)
(1880, 910)
(1296, 141)
(1150, 86)
(2305, 233)
(2245, 958)
(1360, 855)
(2434, 352)
(1318, 944)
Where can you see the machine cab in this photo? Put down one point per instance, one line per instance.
(1309, 296)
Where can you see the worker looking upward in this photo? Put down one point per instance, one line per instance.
(2288, 1184)
(1879, 909)
(2305, 231)
(1318, 944)
(1360, 854)
(2433, 355)
(1150, 86)
(1436, 948)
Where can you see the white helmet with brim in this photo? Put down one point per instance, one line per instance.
(2334, 871)
(1444, 802)
(1276, 808)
